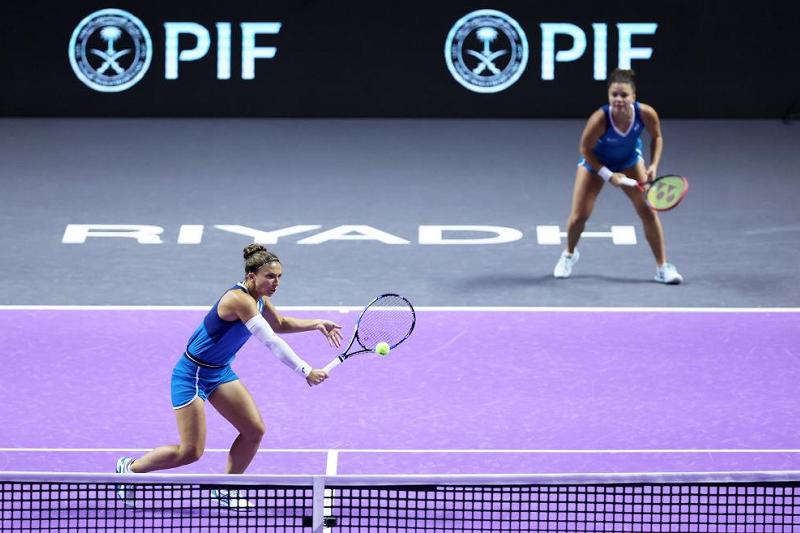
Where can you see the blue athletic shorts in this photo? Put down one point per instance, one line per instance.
(190, 381)
(614, 167)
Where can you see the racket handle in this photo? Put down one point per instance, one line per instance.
(333, 364)
(628, 182)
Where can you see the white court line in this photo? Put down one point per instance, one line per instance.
(482, 309)
(332, 463)
(331, 466)
(332, 460)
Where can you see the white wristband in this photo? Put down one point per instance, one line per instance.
(605, 173)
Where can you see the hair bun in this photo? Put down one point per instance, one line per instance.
(252, 249)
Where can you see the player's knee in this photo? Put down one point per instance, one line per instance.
(647, 215)
(255, 431)
(189, 454)
(259, 430)
(579, 218)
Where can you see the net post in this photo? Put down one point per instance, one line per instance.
(318, 517)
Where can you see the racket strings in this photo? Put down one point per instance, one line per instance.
(389, 319)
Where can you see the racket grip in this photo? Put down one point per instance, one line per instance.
(628, 182)
(333, 364)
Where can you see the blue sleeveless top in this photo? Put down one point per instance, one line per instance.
(616, 148)
(216, 341)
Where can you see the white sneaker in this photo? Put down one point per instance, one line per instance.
(563, 268)
(231, 500)
(124, 492)
(667, 273)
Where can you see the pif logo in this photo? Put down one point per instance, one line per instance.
(486, 51)
(110, 50)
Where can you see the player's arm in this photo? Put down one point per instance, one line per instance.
(242, 306)
(287, 324)
(595, 127)
(653, 125)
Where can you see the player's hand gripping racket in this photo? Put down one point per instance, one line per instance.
(663, 193)
(389, 318)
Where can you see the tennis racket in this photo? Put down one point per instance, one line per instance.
(663, 193)
(389, 318)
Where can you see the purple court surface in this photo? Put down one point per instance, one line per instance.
(472, 391)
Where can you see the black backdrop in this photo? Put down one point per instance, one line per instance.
(386, 59)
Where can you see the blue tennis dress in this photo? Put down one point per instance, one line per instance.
(616, 149)
(206, 363)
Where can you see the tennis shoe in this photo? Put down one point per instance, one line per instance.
(231, 500)
(565, 263)
(668, 274)
(124, 492)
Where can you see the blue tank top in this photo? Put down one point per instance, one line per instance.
(616, 147)
(216, 341)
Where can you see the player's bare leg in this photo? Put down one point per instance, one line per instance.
(236, 405)
(584, 195)
(653, 231)
(192, 430)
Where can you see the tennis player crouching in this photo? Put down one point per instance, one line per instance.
(612, 149)
(204, 372)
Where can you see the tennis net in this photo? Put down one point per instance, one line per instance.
(703, 502)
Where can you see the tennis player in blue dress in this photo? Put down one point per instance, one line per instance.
(611, 147)
(203, 373)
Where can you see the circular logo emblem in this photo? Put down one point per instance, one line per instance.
(110, 50)
(486, 51)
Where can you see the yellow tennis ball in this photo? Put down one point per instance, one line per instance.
(382, 348)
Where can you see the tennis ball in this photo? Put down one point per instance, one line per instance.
(382, 348)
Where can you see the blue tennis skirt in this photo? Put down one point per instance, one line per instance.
(190, 381)
(614, 166)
